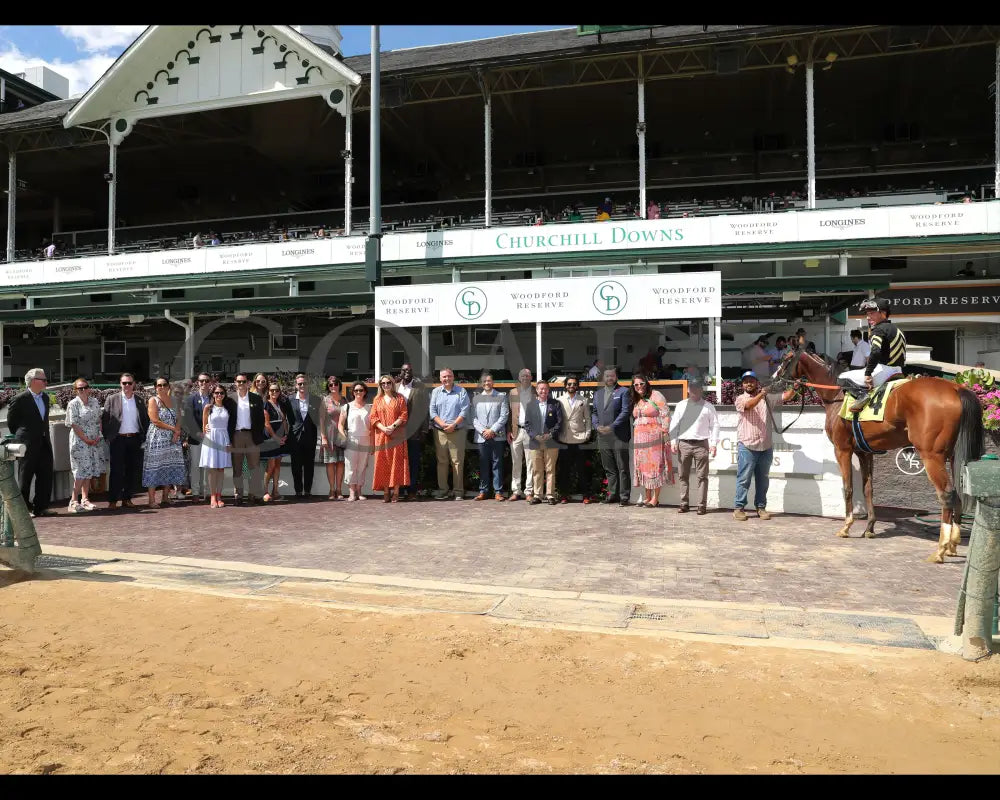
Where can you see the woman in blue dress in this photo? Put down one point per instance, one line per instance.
(163, 463)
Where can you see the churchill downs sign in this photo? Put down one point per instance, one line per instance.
(688, 295)
(961, 298)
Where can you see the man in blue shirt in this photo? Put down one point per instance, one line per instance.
(490, 411)
(449, 409)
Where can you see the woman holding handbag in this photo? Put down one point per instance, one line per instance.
(357, 446)
(276, 412)
(330, 438)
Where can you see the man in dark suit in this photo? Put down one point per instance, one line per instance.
(542, 422)
(611, 417)
(28, 420)
(306, 409)
(246, 432)
(124, 421)
(418, 401)
(192, 425)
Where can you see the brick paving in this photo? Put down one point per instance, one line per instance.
(789, 560)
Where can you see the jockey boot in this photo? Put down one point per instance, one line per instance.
(860, 402)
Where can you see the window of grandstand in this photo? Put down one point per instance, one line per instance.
(352, 361)
(242, 292)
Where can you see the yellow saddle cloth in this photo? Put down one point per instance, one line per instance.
(874, 410)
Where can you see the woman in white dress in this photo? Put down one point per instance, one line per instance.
(215, 447)
(87, 457)
(353, 424)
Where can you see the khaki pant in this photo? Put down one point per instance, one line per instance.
(450, 447)
(518, 448)
(694, 450)
(244, 447)
(543, 465)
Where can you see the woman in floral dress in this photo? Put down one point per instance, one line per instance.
(652, 465)
(163, 463)
(388, 421)
(87, 455)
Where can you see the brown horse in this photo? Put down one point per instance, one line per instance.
(939, 418)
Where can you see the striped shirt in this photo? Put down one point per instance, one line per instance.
(754, 428)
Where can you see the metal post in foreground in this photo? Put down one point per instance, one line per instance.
(810, 137)
(19, 547)
(640, 129)
(11, 203)
(974, 619)
(112, 191)
(373, 249)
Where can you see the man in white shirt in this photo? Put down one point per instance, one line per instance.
(246, 432)
(124, 421)
(694, 435)
(50, 250)
(862, 350)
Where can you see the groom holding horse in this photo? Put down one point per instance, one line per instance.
(887, 357)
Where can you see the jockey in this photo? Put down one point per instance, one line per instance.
(888, 354)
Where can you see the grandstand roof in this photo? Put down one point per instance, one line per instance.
(500, 50)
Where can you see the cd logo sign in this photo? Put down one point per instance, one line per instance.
(610, 298)
(471, 303)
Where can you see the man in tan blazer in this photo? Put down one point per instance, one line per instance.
(573, 435)
(520, 396)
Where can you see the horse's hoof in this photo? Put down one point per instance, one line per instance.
(951, 551)
(843, 534)
(937, 558)
(869, 534)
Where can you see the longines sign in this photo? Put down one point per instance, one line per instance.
(960, 298)
(688, 295)
(849, 224)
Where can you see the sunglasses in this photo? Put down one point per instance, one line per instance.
(385, 383)
(241, 381)
(124, 383)
(300, 384)
(82, 388)
(218, 394)
(274, 391)
(360, 391)
(334, 383)
(163, 386)
(203, 380)
(43, 380)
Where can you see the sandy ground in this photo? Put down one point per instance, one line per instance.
(105, 677)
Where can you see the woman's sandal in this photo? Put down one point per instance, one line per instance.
(266, 498)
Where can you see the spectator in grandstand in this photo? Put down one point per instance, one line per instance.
(214, 238)
(321, 232)
(980, 365)
(968, 271)
(50, 249)
(604, 209)
(596, 370)
(653, 210)
(859, 356)
(755, 357)
(197, 241)
(647, 364)
(661, 351)
(575, 215)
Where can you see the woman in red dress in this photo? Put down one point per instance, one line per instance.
(388, 421)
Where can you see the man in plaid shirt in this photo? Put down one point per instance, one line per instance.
(754, 431)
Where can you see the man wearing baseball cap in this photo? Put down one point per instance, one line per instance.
(887, 356)
(755, 451)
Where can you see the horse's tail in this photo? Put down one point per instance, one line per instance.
(970, 443)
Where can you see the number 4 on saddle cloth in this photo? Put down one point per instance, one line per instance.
(874, 410)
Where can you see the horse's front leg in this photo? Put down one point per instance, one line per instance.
(844, 462)
(867, 467)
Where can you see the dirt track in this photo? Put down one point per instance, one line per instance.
(105, 677)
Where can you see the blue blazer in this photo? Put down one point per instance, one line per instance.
(535, 424)
(617, 415)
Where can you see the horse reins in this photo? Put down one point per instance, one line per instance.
(802, 399)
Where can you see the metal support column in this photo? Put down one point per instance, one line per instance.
(713, 367)
(425, 352)
(373, 247)
(11, 202)
(3, 374)
(56, 215)
(826, 334)
(488, 155)
(717, 326)
(843, 263)
(189, 348)
(348, 162)
(293, 287)
(640, 129)
(996, 126)
(810, 136)
(62, 354)
(112, 189)
(378, 352)
(538, 351)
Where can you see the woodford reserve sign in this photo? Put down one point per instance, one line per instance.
(686, 295)
(912, 300)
